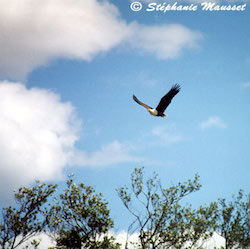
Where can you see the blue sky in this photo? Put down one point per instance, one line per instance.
(68, 70)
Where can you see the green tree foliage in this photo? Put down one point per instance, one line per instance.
(80, 219)
(159, 218)
(20, 223)
(233, 221)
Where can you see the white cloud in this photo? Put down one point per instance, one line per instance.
(167, 134)
(216, 241)
(246, 85)
(211, 122)
(35, 33)
(44, 240)
(164, 41)
(125, 240)
(110, 154)
(37, 132)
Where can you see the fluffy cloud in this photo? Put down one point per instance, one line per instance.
(216, 241)
(165, 41)
(246, 85)
(34, 33)
(110, 154)
(37, 132)
(167, 134)
(211, 122)
(45, 241)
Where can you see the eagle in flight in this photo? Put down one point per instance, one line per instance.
(164, 102)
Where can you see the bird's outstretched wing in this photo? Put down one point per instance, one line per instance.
(140, 103)
(166, 100)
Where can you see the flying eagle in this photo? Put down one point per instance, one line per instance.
(164, 102)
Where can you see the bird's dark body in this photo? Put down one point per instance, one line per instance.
(163, 104)
(160, 114)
